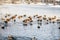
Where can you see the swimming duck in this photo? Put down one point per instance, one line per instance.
(20, 17)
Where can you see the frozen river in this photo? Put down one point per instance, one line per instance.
(46, 32)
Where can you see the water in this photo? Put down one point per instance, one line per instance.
(46, 32)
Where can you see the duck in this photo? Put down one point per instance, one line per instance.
(38, 27)
(10, 37)
(34, 38)
(59, 28)
(49, 18)
(30, 18)
(25, 22)
(39, 16)
(44, 17)
(24, 15)
(53, 18)
(20, 17)
(13, 17)
(8, 19)
(58, 21)
(35, 15)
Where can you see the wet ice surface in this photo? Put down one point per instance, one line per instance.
(17, 38)
(46, 32)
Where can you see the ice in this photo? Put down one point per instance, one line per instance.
(46, 32)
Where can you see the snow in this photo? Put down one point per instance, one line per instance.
(46, 32)
(37, 9)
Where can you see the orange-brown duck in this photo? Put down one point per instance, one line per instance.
(8, 20)
(13, 17)
(20, 17)
(39, 16)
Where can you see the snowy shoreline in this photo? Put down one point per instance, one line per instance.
(48, 10)
(32, 4)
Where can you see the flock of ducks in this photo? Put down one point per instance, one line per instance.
(30, 19)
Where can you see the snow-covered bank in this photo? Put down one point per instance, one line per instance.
(32, 4)
(30, 9)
